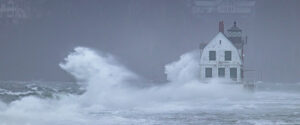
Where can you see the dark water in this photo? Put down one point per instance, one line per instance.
(15, 90)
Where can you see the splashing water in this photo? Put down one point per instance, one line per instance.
(109, 98)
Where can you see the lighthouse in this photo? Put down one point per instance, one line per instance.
(223, 56)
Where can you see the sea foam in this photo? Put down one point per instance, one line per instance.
(105, 81)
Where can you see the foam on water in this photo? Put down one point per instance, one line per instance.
(111, 99)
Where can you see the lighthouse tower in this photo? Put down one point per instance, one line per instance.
(234, 34)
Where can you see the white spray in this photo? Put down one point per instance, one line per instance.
(105, 82)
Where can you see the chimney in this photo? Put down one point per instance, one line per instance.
(221, 26)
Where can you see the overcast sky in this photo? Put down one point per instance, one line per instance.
(145, 35)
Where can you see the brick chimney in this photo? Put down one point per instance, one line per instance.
(221, 26)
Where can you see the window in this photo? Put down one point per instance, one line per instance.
(227, 55)
(221, 72)
(208, 72)
(212, 55)
(233, 73)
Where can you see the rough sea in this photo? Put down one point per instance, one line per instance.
(108, 93)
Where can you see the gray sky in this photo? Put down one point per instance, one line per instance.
(144, 35)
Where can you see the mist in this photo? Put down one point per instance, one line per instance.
(144, 35)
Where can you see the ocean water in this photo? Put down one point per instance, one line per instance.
(108, 93)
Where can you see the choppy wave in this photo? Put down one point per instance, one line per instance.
(15, 90)
(109, 97)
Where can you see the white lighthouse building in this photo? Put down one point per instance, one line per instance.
(222, 57)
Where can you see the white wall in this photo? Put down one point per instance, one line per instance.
(220, 48)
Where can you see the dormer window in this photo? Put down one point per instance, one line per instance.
(212, 55)
(227, 55)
